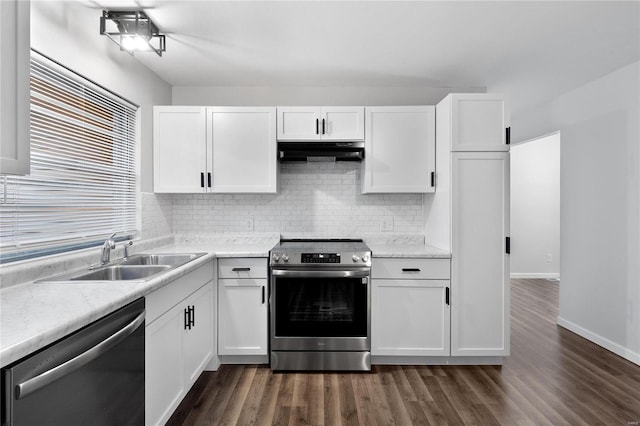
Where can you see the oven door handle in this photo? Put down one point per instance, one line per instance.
(356, 273)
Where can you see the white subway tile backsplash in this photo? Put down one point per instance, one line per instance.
(314, 199)
(157, 215)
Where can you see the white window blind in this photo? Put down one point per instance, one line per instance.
(82, 185)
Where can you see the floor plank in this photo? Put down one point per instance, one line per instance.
(553, 377)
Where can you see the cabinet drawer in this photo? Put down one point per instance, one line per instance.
(243, 267)
(413, 269)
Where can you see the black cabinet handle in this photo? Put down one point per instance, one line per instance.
(508, 245)
(317, 124)
(192, 316)
(433, 179)
(240, 269)
(323, 126)
(508, 136)
(187, 319)
(202, 179)
(209, 179)
(263, 295)
(410, 269)
(446, 295)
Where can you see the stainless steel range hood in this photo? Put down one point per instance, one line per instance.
(320, 151)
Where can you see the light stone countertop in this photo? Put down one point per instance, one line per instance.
(33, 315)
(421, 251)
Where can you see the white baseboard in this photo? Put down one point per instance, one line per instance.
(601, 341)
(535, 275)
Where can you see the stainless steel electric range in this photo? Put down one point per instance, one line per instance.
(320, 305)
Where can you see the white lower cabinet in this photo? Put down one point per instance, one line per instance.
(243, 306)
(411, 317)
(179, 341)
(410, 307)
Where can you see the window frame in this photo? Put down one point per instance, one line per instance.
(17, 251)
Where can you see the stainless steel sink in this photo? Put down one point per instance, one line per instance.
(139, 267)
(161, 259)
(121, 273)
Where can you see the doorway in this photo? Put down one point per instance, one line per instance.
(535, 208)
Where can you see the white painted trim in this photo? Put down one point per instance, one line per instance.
(553, 275)
(436, 360)
(243, 359)
(600, 341)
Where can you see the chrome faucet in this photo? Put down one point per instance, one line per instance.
(108, 245)
(126, 249)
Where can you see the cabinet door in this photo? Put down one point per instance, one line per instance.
(399, 149)
(163, 363)
(478, 122)
(342, 123)
(244, 149)
(179, 149)
(409, 317)
(299, 123)
(14, 87)
(198, 338)
(480, 265)
(242, 321)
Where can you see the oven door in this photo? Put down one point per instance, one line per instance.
(320, 310)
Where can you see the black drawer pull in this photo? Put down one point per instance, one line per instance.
(187, 318)
(410, 269)
(201, 180)
(323, 126)
(263, 295)
(240, 269)
(317, 124)
(209, 179)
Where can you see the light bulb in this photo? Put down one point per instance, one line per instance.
(134, 42)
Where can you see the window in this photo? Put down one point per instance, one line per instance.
(82, 185)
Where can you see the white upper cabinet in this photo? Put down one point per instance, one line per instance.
(399, 150)
(320, 123)
(478, 122)
(179, 149)
(244, 149)
(215, 149)
(14, 87)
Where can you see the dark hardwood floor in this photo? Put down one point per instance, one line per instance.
(553, 377)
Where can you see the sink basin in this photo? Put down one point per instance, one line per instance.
(139, 267)
(120, 273)
(161, 259)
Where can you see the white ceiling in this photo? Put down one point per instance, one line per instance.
(532, 50)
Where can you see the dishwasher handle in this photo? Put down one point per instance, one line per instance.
(41, 380)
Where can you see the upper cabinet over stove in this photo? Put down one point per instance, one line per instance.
(321, 123)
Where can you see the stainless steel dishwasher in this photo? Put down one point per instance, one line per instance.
(94, 376)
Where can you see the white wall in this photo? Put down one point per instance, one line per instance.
(600, 206)
(535, 208)
(321, 96)
(68, 32)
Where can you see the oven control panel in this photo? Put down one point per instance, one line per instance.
(319, 257)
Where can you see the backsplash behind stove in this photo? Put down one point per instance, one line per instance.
(318, 198)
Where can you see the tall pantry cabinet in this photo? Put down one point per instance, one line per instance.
(469, 215)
